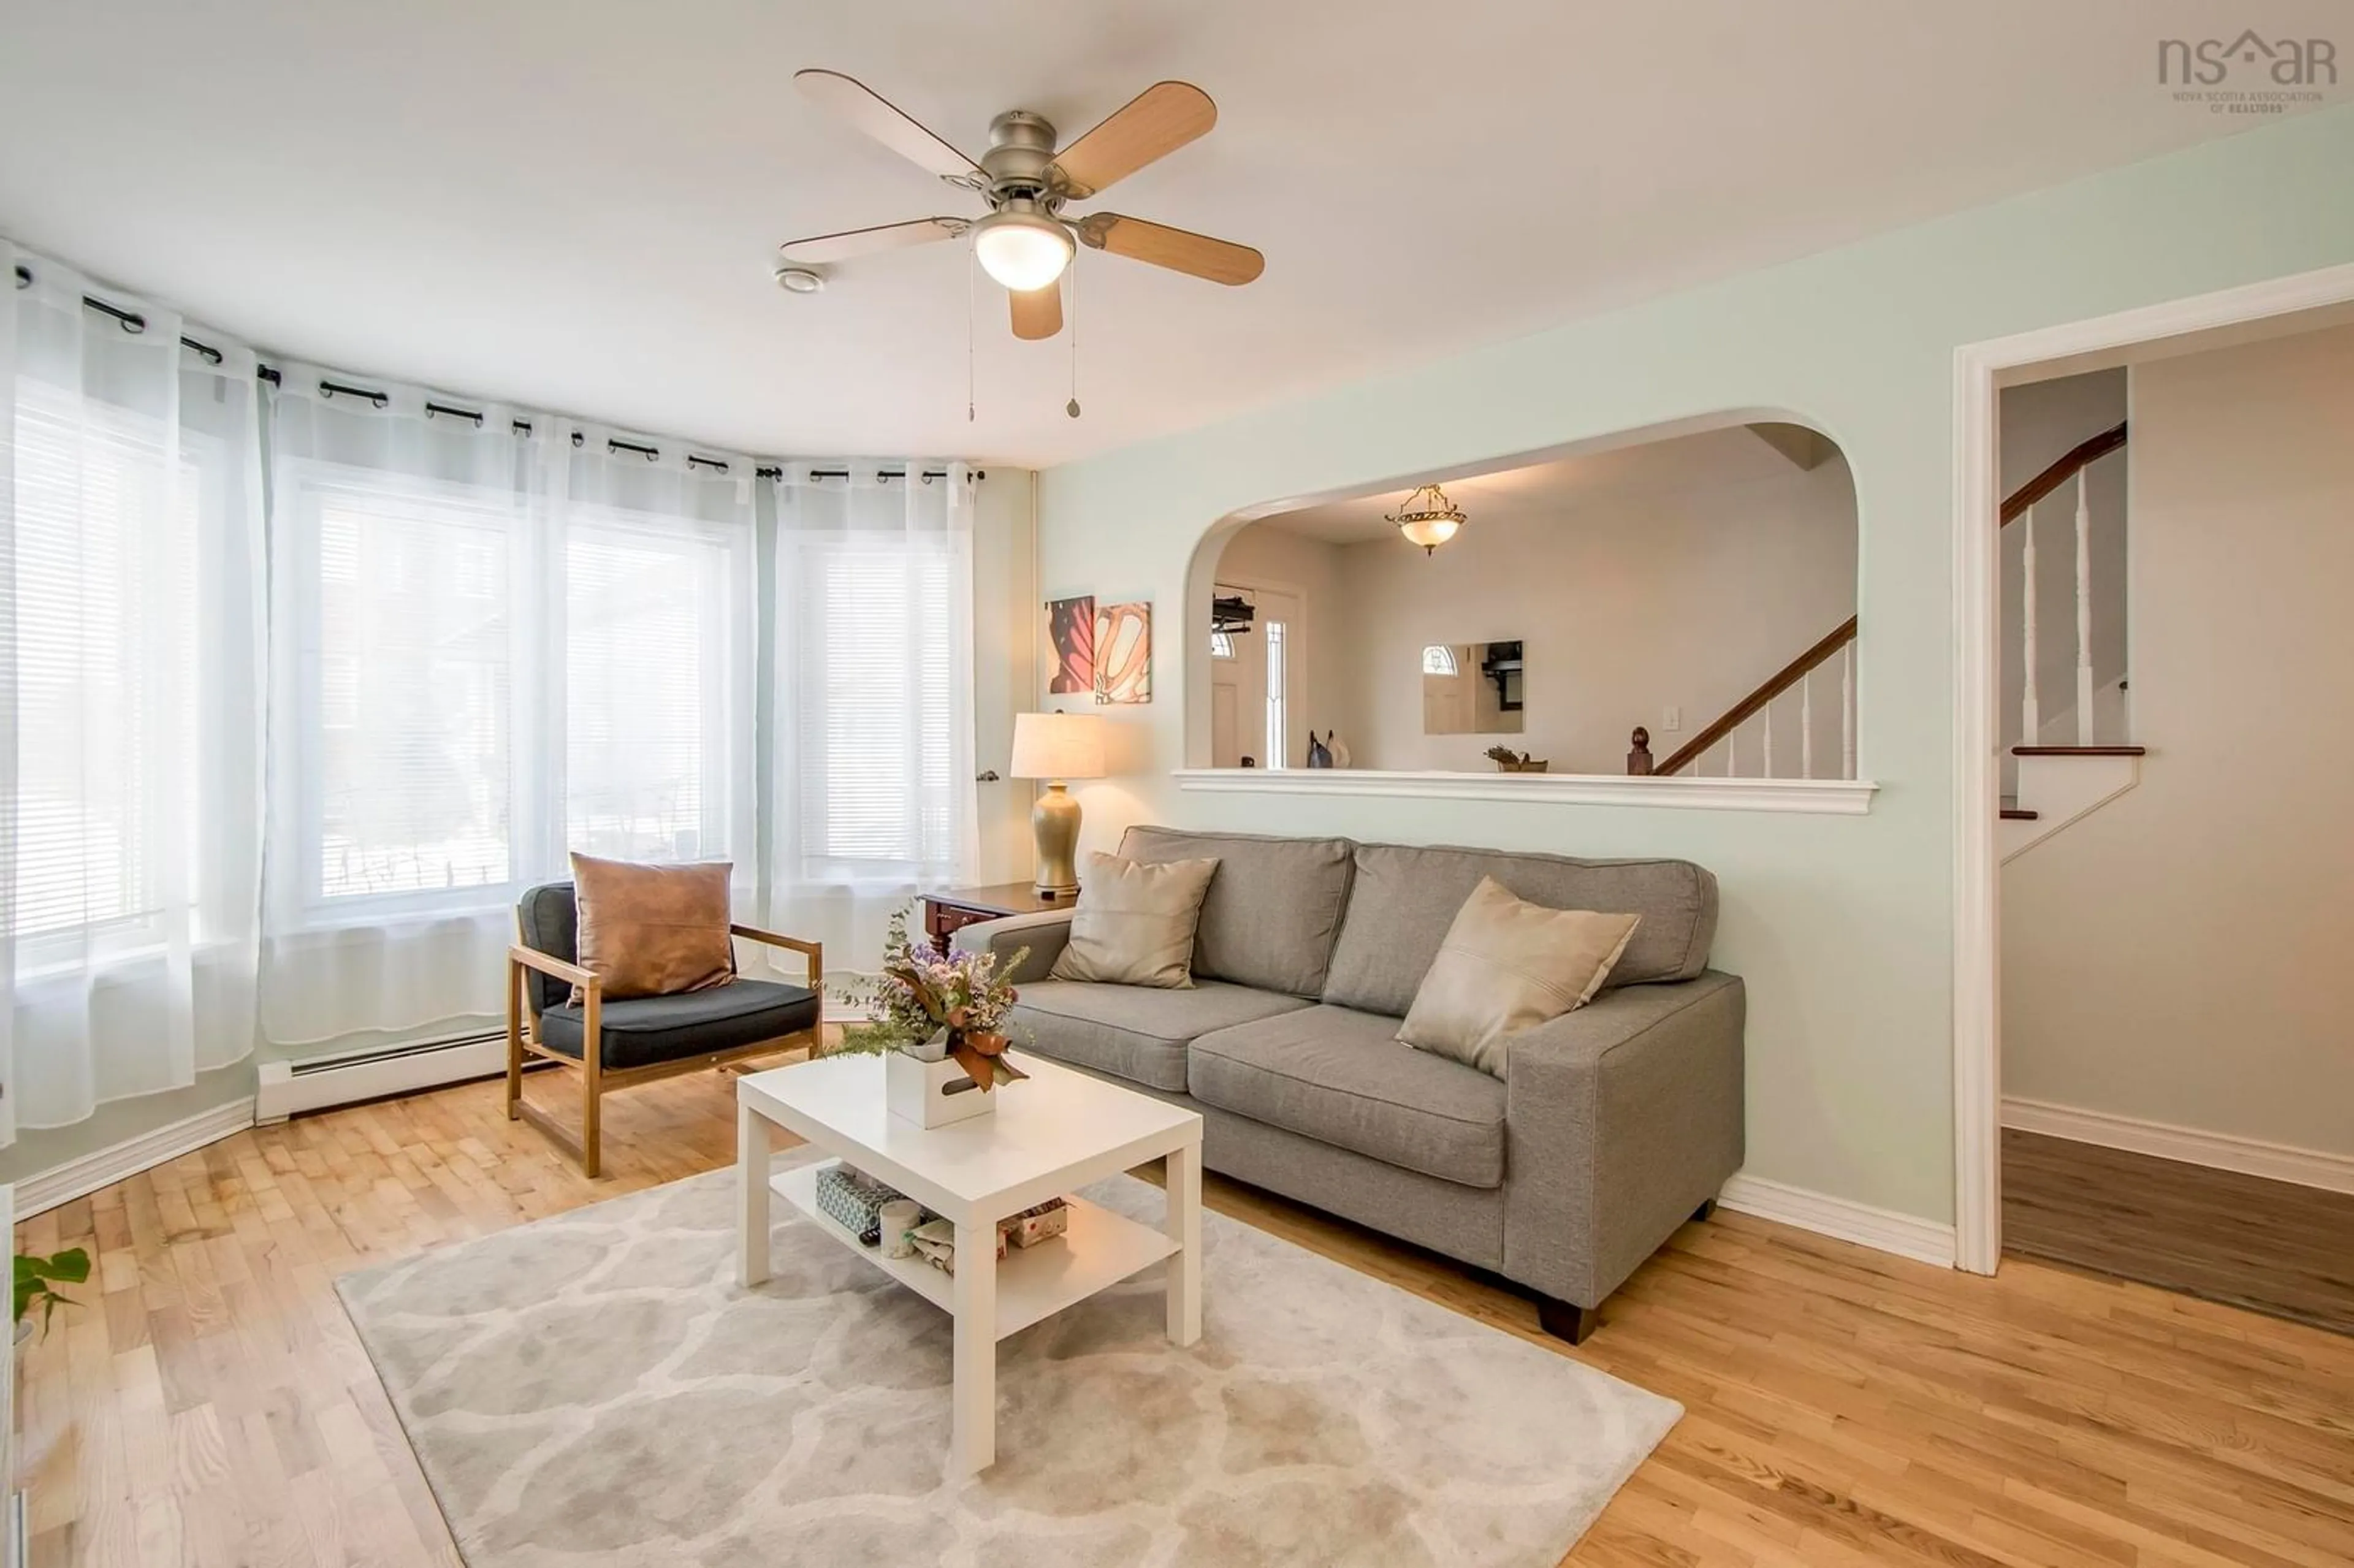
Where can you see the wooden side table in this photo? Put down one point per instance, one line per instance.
(947, 911)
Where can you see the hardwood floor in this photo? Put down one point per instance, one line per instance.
(208, 1404)
(2271, 1246)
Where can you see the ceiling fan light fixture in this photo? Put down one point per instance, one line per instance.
(1427, 519)
(1022, 248)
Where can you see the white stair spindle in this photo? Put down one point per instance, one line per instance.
(1846, 711)
(2084, 615)
(1766, 716)
(1806, 725)
(2030, 718)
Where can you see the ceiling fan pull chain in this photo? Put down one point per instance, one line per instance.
(971, 286)
(1072, 407)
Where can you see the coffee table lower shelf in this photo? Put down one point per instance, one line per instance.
(1099, 1249)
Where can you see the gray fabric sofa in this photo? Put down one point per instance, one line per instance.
(1611, 1127)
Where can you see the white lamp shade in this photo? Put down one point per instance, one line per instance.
(1430, 532)
(1022, 251)
(1057, 746)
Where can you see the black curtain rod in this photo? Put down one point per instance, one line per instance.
(927, 475)
(133, 322)
(129, 321)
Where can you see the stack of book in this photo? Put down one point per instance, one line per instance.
(935, 1239)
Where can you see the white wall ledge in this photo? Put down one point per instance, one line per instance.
(1821, 797)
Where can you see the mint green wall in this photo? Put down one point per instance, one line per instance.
(1842, 925)
(40, 1150)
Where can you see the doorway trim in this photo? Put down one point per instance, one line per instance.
(1980, 370)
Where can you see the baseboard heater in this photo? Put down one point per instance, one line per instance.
(317, 1083)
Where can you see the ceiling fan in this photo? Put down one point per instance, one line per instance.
(1025, 242)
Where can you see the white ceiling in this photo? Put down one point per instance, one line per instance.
(1730, 456)
(575, 205)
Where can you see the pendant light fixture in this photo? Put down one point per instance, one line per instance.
(1428, 518)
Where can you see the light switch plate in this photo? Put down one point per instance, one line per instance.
(1672, 720)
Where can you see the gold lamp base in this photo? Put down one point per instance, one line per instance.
(1054, 821)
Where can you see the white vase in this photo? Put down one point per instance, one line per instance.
(933, 1094)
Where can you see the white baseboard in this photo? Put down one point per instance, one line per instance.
(1842, 1219)
(2217, 1150)
(102, 1168)
(292, 1087)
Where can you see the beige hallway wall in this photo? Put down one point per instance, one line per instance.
(1682, 592)
(2181, 955)
(1322, 697)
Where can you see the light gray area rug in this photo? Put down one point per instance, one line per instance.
(594, 1391)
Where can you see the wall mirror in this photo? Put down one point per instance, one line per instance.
(1472, 688)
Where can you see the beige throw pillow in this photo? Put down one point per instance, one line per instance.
(1508, 965)
(652, 930)
(1133, 924)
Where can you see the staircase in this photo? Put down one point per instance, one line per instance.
(1747, 732)
(2066, 764)
(2060, 766)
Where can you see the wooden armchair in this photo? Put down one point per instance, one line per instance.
(617, 1044)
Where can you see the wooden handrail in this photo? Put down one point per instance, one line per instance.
(1748, 708)
(2082, 455)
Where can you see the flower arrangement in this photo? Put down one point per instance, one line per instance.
(922, 998)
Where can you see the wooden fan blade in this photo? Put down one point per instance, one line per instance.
(1153, 124)
(1038, 313)
(870, 111)
(851, 243)
(1179, 249)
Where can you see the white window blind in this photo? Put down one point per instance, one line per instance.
(103, 625)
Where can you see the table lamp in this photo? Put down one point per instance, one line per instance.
(1055, 748)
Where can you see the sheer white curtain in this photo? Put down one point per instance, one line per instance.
(873, 783)
(500, 635)
(131, 714)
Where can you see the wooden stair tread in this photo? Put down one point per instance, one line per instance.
(2079, 751)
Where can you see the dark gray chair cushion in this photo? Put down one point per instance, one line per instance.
(1132, 1032)
(1404, 898)
(1273, 908)
(645, 1029)
(550, 923)
(1341, 1077)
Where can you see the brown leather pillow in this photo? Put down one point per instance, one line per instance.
(652, 930)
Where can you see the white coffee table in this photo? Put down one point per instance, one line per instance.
(1051, 1134)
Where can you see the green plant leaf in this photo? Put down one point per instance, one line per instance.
(70, 1267)
(32, 1278)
